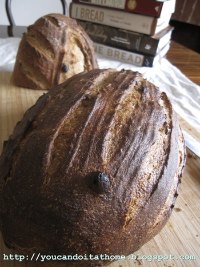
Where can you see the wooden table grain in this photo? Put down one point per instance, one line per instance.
(187, 60)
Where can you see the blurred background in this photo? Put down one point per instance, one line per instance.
(25, 12)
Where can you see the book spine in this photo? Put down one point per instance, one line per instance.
(118, 19)
(118, 38)
(144, 7)
(124, 56)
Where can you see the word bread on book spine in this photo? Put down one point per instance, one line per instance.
(119, 19)
(123, 55)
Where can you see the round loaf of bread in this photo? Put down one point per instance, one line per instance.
(54, 48)
(92, 168)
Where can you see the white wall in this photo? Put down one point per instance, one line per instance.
(26, 12)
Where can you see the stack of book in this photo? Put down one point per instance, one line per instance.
(132, 31)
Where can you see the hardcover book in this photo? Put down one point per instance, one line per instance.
(145, 7)
(129, 57)
(127, 40)
(119, 19)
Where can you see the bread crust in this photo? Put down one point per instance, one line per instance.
(104, 121)
(54, 48)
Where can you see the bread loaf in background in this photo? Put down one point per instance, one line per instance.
(54, 48)
(92, 168)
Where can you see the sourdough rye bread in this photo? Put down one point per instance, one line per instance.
(92, 168)
(54, 48)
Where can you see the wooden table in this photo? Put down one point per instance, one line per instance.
(180, 238)
(186, 60)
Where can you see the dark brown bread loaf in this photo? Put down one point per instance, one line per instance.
(54, 48)
(93, 167)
